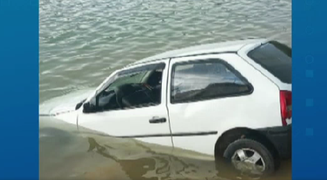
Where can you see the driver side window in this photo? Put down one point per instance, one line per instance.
(133, 88)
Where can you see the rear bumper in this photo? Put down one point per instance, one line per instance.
(281, 138)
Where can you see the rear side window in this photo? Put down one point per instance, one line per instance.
(276, 58)
(206, 79)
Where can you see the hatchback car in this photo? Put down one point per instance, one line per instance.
(230, 100)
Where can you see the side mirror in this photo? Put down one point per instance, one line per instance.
(87, 108)
(90, 106)
(79, 104)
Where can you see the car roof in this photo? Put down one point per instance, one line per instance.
(222, 47)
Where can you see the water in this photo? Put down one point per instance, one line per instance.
(66, 153)
(83, 41)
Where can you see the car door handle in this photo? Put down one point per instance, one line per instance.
(157, 120)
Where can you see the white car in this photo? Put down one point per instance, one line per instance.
(230, 100)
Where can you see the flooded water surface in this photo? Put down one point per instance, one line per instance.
(83, 41)
(66, 153)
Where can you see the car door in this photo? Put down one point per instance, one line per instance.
(204, 93)
(136, 111)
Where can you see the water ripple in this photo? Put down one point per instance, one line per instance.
(85, 40)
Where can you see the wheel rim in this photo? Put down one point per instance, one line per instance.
(248, 160)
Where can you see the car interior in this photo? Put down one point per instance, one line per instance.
(147, 92)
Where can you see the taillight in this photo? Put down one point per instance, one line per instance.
(285, 106)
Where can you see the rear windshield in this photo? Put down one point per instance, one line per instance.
(276, 58)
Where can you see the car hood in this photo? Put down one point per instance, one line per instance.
(63, 104)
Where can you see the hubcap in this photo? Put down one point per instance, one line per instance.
(248, 160)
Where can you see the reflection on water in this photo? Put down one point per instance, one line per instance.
(66, 154)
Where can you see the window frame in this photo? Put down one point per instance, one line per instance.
(209, 60)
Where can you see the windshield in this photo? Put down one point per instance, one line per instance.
(276, 58)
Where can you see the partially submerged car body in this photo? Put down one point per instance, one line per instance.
(203, 95)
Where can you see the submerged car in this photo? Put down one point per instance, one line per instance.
(230, 100)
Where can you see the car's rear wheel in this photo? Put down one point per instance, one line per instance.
(250, 156)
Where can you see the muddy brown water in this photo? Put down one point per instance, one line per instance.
(83, 41)
(66, 153)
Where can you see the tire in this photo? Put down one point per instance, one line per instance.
(250, 150)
